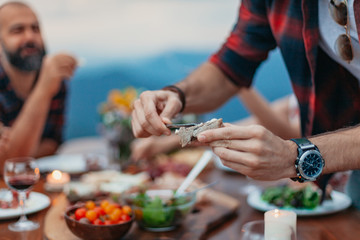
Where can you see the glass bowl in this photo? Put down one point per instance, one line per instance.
(159, 210)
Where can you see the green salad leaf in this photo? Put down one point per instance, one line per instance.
(284, 196)
(141, 199)
(155, 212)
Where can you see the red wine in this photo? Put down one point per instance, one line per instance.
(21, 182)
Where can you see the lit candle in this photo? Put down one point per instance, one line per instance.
(56, 180)
(278, 224)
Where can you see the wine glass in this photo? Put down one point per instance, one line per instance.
(21, 174)
(255, 230)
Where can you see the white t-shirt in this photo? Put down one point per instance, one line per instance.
(331, 30)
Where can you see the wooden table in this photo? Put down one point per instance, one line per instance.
(342, 225)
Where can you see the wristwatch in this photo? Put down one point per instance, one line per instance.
(309, 162)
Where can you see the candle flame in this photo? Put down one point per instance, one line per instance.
(277, 212)
(56, 174)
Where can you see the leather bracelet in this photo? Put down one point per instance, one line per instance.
(180, 92)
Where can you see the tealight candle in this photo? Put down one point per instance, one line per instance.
(277, 223)
(56, 180)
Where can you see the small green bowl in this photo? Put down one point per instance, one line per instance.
(161, 211)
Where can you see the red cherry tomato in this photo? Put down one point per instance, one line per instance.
(125, 217)
(80, 213)
(108, 222)
(99, 211)
(98, 222)
(116, 205)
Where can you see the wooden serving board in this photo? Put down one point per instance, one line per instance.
(216, 210)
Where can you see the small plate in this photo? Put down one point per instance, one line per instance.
(70, 163)
(34, 203)
(339, 202)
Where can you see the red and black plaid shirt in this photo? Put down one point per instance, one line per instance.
(10, 107)
(328, 94)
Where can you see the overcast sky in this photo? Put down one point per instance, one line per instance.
(123, 28)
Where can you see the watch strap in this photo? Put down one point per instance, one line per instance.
(303, 145)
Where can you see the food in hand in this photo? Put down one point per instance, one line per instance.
(189, 134)
(105, 213)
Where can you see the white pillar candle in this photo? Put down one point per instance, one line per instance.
(277, 223)
(56, 180)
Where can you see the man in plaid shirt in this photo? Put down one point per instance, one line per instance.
(32, 91)
(326, 86)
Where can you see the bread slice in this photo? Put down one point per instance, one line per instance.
(188, 134)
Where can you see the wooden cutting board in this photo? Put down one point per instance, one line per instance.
(216, 210)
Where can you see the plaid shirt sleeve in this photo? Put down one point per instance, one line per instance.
(248, 44)
(55, 120)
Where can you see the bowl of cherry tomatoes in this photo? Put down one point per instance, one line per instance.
(102, 220)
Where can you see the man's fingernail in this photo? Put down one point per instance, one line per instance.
(166, 120)
(201, 138)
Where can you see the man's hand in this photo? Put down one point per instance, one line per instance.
(152, 111)
(54, 69)
(253, 151)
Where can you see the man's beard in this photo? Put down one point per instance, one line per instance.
(27, 63)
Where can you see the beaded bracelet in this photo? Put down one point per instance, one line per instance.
(180, 92)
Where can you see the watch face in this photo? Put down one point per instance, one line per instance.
(311, 164)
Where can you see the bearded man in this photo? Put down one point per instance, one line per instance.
(32, 87)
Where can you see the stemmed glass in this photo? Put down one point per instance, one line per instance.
(21, 174)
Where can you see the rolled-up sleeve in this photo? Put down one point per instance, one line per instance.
(248, 44)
